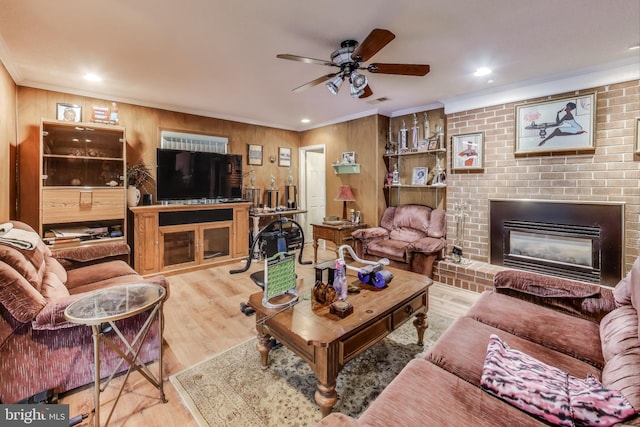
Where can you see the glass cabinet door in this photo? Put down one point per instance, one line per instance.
(216, 242)
(179, 247)
(82, 156)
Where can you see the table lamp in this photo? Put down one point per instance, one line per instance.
(345, 195)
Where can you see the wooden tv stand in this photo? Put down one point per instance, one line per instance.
(175, 238)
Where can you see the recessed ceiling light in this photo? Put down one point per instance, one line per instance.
(305, 121)
(482, 71)
(92, 77)
(634, 47)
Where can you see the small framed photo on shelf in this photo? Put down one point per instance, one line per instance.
(100, 115)
(419, 176)
(69, 112)
(348, 158)
(254, 154)
(468, 151)
(433, 144)
(284, 156)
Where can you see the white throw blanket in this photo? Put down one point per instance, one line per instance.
(21, 239)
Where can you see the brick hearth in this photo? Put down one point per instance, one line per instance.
(470, 275)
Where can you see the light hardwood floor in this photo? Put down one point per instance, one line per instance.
(203, 318)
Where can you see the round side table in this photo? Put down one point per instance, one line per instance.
(100, 310)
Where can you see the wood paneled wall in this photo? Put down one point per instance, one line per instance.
(7, 145)
(366, 137)
(143, 126)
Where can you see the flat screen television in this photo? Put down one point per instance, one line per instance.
(194, 175)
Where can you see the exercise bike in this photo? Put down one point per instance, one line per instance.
(274, 238)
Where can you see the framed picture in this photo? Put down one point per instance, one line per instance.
(284, 156)
(419, 176)
(348, 157)
(433, 144)
(254, 154)
(69, 112)
(566, 124)
(468, 151)
(637, 135)
(100, 115)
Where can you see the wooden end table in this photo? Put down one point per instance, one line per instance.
(327, 342)
(101, 309)
(338, 234)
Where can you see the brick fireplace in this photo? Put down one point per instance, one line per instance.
(608, 175)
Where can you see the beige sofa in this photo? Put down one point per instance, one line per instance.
(412, 237)
(572, 327)
(39, 349)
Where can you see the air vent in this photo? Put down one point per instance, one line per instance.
(378, 100)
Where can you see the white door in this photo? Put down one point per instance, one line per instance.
(314, 190)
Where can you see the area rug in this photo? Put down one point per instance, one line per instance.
(230, 389)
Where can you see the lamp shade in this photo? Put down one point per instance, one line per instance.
(345, 194)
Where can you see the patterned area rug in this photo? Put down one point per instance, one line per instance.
(230, 389)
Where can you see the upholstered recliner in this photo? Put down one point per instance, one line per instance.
(39, 349)
(412, 237)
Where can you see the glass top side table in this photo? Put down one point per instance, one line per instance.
(100, 310)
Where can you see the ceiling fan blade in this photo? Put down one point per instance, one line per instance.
(367, 92)
(376, 40)
(402, 69)
(315, 82)
(306, 60)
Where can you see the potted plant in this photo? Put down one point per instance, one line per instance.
(137, 175)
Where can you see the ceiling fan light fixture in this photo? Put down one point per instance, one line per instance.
(355, 92)
(335, 83)
(358, 81)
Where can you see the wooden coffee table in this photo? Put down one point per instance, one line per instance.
(327, 342)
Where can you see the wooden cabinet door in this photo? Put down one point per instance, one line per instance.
(240, 232)
(145, 242)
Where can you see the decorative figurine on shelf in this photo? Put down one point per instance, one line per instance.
(289, 177)
(272, 183)
(395, 175)
(440, 135)
(113, 115)
(252, 178)
(426, 125)
(438, 131)
(388, 148)
(439, 175)
(402, 138)
(415, 133)
(291, 192)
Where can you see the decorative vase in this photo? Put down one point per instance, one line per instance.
(133, 196)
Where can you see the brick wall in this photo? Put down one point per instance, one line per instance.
(611, 174)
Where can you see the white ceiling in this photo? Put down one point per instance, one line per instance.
(218, 58)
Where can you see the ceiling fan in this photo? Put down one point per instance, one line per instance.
(349, 58)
